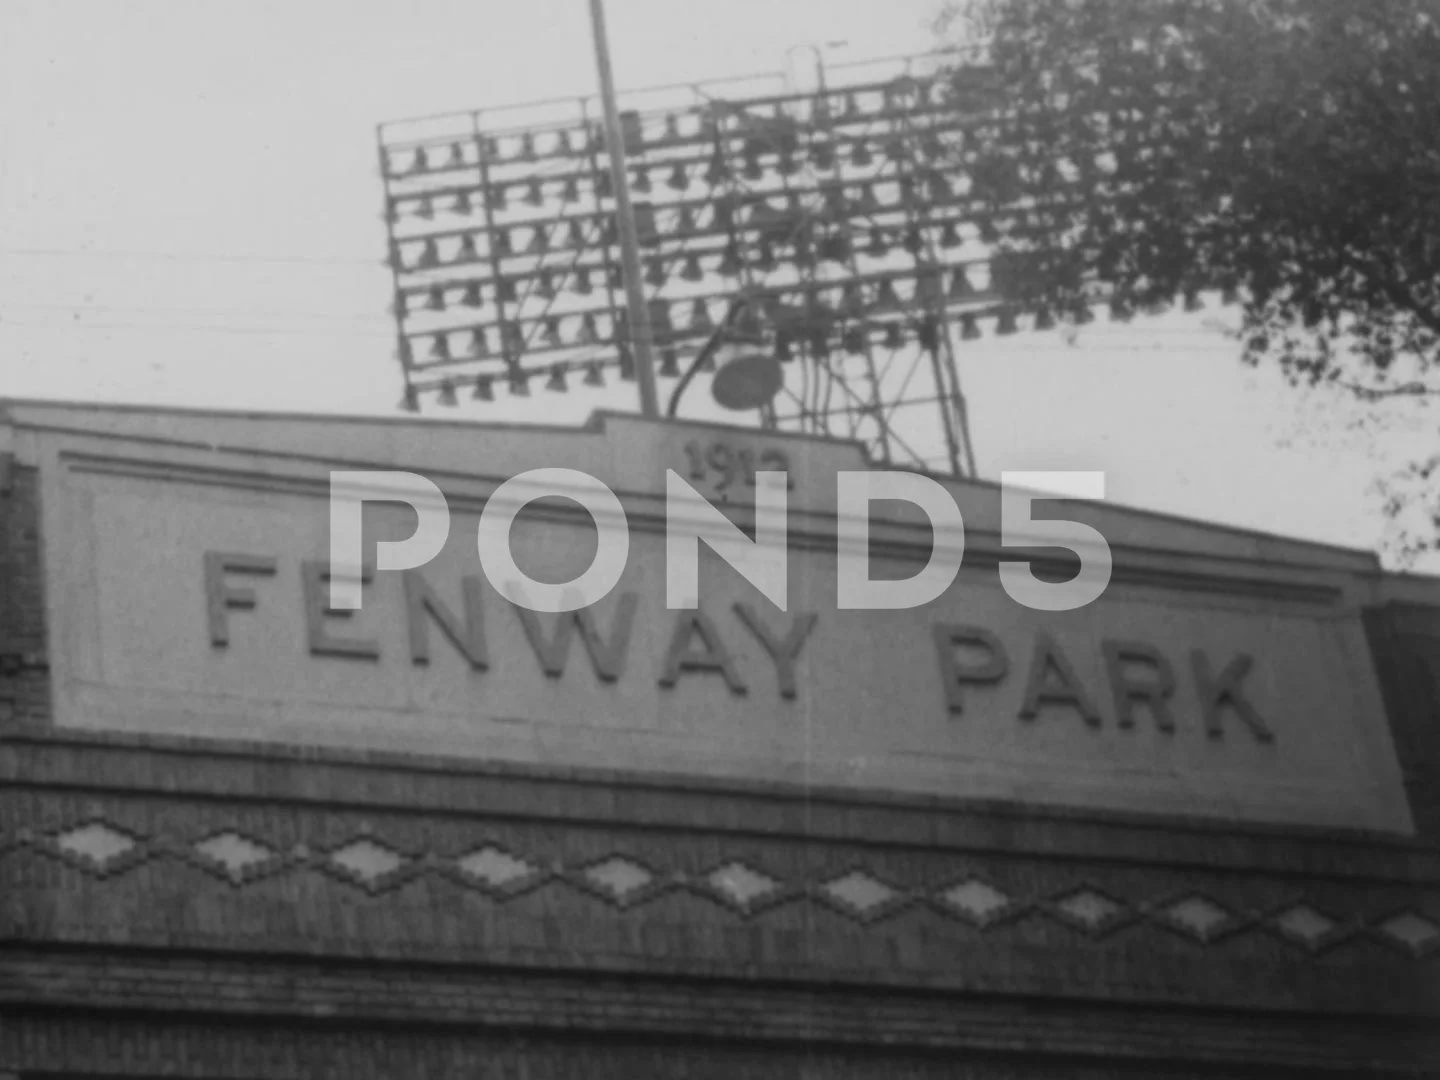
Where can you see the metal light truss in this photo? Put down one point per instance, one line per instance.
(845, 213)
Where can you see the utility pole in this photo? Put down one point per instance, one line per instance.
(638, 318)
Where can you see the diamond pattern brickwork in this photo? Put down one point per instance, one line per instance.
(371, 864)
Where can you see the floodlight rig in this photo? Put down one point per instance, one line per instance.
(841, 217)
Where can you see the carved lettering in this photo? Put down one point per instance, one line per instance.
(1215, 693)
(422, 604)
(1064, 688)
(949, 638)
(680, 657)
(313, 576)
(607, 656)
(1154, 690)
(222, 597)
(781, 652)
(1140, 677)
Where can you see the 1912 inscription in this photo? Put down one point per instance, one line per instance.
(724, 465)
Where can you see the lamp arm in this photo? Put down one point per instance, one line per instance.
(706, 351)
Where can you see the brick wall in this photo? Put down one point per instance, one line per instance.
(24, 678)
(1405, 640)
(170, 907)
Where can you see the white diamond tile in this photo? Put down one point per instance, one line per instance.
(1413, 931)
(1304, 923)
(742, 884)
(1088, 908)
(234, 852)
(621, 878)
(976, 900)
(495, 867)
(97, 842)
(1197, 915)
(367, 860)
(859, 891)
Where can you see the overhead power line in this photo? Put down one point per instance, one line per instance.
(143, 309)
(204, 256)
(1035, 341)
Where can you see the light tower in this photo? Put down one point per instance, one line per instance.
(839, 215)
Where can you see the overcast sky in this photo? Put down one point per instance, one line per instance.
(189, 214)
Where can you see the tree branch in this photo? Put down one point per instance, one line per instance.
(1380, 393)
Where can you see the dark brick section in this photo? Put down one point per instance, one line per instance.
(1405, 639)
(24, 668)
(110, 1045)
(715, 1012)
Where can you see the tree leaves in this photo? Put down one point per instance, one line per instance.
(1287, 151)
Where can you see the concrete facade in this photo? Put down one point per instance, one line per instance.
(254, 858)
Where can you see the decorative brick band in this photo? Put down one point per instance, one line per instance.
(367, 863)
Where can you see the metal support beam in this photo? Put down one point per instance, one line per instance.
(641, 338)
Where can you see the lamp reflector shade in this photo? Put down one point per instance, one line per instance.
(747, 378)
(700, 316)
